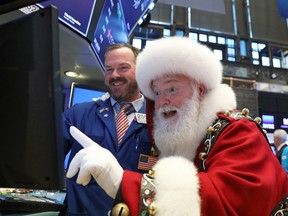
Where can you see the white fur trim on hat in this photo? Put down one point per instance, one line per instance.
(177, 55)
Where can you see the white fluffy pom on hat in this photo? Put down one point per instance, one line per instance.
(177, 55)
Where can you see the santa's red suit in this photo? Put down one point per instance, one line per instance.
(241, 177)
(237, 173)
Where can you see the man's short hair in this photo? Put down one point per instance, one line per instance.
(280, 134)
(111, 47)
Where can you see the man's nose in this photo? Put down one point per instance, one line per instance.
(161, 100)
(115, 73)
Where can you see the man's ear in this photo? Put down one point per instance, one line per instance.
(202, 89)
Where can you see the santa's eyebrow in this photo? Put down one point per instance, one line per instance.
(172, 80)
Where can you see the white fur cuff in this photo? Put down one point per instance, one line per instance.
(177, 187)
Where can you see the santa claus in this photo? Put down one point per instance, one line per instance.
(213, 159)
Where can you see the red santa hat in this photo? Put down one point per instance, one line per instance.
(177, 55)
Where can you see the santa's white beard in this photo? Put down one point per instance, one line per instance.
(181, 136)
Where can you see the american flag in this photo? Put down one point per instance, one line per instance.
(146, 162)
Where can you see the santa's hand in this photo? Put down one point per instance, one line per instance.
(96, 161)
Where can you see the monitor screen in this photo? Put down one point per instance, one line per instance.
(268, 122)
(83, 93)
(110, 29)
(283, 121)
(134, 11)
(74, 13)
(31, 136)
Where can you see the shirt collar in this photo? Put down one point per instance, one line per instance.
(137, 104)
(280, 146)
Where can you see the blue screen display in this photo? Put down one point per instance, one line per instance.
(74, 13)
(268, 122)
(133, 11)
(110, 29)
(80, 94)
(284, 122)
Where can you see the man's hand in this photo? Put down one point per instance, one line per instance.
(96, 161)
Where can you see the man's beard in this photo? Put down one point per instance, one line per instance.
(181, 136)
(130, 92)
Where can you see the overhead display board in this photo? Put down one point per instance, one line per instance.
(134, 11)
(110, 29)
(102, 22)
(74, 13)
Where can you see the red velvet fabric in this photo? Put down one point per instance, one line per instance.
(131, 184)
(242, 176)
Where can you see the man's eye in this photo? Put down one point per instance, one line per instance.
(124, 68)
(157, 93)
(108, 69)
(172, 90)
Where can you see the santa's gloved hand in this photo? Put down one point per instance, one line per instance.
(96, 161)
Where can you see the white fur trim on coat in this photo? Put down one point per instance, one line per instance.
(220, 99)
(177, 187)
(177, 55)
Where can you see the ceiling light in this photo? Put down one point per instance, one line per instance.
(71, 73)
(273, 75)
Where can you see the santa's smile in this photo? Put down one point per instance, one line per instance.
(169, 114)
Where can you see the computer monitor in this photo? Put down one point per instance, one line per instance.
(283, 121)
(84, 93)
(32, 153)
(268, 122)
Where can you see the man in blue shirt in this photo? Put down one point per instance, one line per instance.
(280, 137)
(97, 120)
